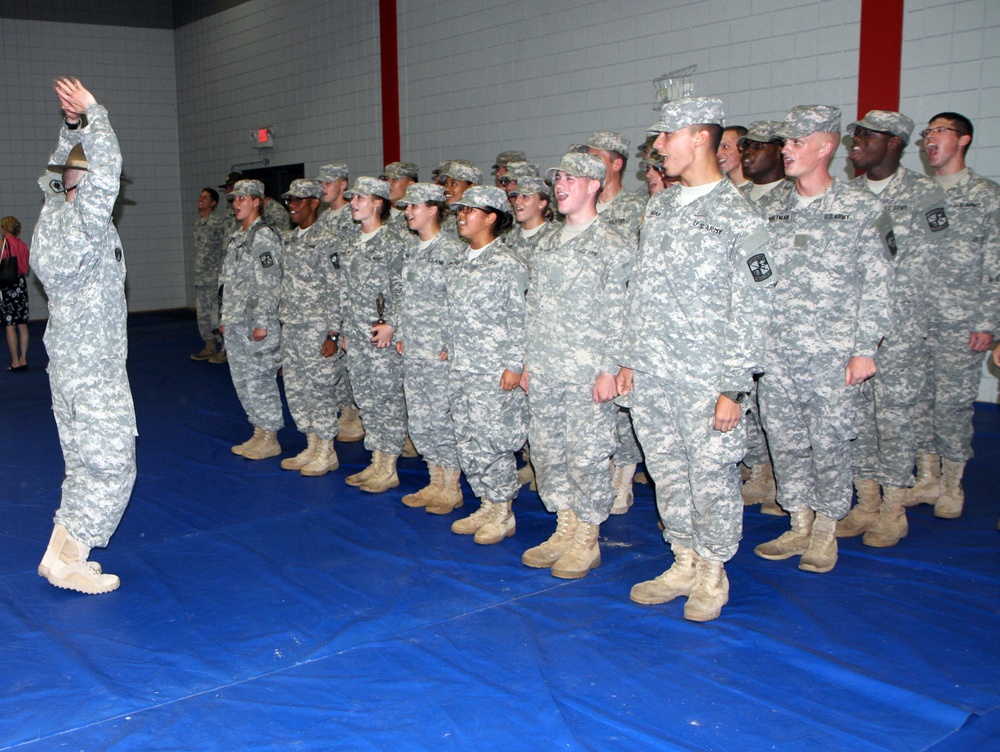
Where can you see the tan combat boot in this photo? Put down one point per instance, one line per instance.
(65, 565)
(323, 461)
(449, 493)
(526, 475)
(710, 593)
(500, 525)
(927, 489)
(548, 552)
(821, 555)
(865, 512)
(621, 482)
(358, 478)
(471, 524)
(219, 358)
(304, 457)
(207, 352)
(424, 496)
(891, 525)
(265, 446)
(583, 554)
(759, 487)
(384, 477)
(676, 581)
(408, 449)
(241, 448)
(350, 425)
(949, 504)
(791, 543)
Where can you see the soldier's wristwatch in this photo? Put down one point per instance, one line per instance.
(736, 397)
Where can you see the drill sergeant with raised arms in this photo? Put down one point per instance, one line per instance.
(311, 359)
(886, 448)
(833, 243)
(77, 255)
(338, 223)
(698, 309)
(760, 154)
(421, 340)
(622, 211)
(251, 282)
(574, 320)
(962, 317)
(210, 234)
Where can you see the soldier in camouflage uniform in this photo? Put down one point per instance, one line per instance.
(420, 339)
(486, 287)
(502, 161)
(574, 321)
(728, 155)
(338, 223)
(311, 359)
(698, 309)
(276, 215)
(886, 447)
(251, 283)
(760, 155)
(457, 176)
(833, 244)
(515, 172)
(530, 198)
(77, 255)
(373, 267)
(962, 317)
(399, 176)
(210, 234)
(620, 210)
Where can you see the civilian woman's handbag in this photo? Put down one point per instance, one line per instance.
(8, 267)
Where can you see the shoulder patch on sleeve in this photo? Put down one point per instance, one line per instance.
(266, 259)
(937, 218)
(755, 250)
(886, 235)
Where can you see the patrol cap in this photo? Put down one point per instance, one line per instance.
(761, 131)
(526, 186)
(397, 170)
(461, 169)
(367, 186)
(609, 141)
(441, 166)
(680, 113)
(504, 158)
(246, 188)
(331, 172)
(654, 159)
(807, 119)
(579, 148)
(885, 121)
(303, 189)
(581, 165)
(75, 160)
(483, 197)
(521, 169)
(231, 179)
(422, 193)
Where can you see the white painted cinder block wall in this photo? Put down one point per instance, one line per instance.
(475, 77)
(131, 71)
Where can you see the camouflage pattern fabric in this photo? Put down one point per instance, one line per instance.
(338, 224)
(276, 215)
(251, 280)
(886, 447)
(833, 303)
(486, 336)
(210, 235)
(371, 268)
(77, 255)
(524, 247)
(706, 268)
(965, 299)
(309, 310)
(575, 317)
(422, 329)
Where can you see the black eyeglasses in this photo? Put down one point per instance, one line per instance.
(939, 131)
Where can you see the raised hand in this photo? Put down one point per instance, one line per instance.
(73, 97)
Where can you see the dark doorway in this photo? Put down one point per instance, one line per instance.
(276, 180)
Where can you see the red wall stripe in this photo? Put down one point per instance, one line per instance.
(880, 58)
(389, 48)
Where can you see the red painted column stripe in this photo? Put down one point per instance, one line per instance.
(389, 49)
(880, 57)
